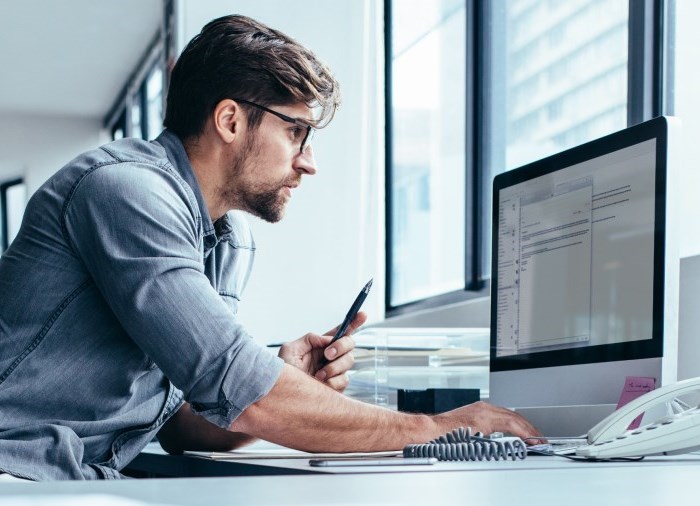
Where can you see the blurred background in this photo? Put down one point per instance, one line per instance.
(438, 97)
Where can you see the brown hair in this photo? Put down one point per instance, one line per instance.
(237, 57)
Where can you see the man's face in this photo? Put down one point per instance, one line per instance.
(267, 167)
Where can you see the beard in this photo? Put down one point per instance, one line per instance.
(266, 204)
(261, 199)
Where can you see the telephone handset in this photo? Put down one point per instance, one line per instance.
(675, 433)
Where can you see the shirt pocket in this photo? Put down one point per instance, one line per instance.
(228, 269)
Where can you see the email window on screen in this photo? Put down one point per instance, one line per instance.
(576, 252)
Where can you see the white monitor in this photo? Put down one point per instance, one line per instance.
(584, 286)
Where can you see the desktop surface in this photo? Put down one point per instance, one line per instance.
(536, 480)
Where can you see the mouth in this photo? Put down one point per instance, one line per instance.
(289, 187)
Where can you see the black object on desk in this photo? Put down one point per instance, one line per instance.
(435, 400)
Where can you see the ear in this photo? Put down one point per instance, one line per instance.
(228, 120)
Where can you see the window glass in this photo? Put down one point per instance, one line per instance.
(119, 128)
(428, 148)
(13, 200)
(136, 117)
(154, 101)
(558, 74)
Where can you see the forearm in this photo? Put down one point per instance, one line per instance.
(302, 413)
(188, 431)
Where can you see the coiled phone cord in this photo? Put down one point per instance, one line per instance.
(460, 444)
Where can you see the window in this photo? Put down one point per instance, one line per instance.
(153, 91)
(136, 119)
(138, 112)
(13, 199)
(427, 181)
(475, 88)
(119, 127)
(561, 69)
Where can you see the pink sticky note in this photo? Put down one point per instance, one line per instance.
(635, 386)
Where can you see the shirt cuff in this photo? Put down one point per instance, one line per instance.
(251, 375)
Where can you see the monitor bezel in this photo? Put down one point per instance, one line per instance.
(656, 128)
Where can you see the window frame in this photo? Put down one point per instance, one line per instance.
(650, 84)
(158, 55)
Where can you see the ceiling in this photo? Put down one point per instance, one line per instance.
(71, 57)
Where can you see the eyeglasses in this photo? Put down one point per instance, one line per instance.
(305, 127)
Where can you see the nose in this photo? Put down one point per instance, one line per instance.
(305, 163)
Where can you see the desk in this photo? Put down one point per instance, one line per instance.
(153, 462)
(540, 481)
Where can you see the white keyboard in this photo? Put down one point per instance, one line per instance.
(561, 446)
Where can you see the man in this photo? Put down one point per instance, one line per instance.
(118, 297)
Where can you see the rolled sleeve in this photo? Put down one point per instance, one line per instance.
(138, 231)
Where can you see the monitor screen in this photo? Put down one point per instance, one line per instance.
(575, 258)
(579, 264)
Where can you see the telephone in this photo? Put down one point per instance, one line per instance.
(677, 432)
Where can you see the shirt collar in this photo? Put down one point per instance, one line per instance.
(178, 157)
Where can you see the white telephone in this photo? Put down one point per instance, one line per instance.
(678, 432)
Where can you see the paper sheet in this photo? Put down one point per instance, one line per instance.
(266, 450)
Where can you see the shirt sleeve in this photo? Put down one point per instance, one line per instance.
(136, 228)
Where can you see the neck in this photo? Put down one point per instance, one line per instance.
(206, 161)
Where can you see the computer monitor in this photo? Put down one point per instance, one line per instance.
(584, 285)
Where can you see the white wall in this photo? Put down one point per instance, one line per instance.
(687, 108)
(310, 266)
(689, 319)
(34, 147)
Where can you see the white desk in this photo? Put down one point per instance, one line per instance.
(537, 480)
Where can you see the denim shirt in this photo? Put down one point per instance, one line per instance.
(118, 299)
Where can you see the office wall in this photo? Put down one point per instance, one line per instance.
(686, 103)
(689, 319)
(310, 266)
(34, 147)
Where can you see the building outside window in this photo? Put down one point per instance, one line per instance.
(553, 74)
(559, 74)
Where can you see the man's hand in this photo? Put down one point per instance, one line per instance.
(487, 418)
(299, 412)
(307, 354)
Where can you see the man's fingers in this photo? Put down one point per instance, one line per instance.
(357, 322)
(519, 426)
(339, 348)
(339, 383)
(359, 319)
(488, 418)
(336, 367)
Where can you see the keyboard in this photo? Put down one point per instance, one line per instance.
(560, 446)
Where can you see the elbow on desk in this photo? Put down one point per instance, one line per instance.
(188, 431)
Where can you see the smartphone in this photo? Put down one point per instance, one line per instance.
(391, 461)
